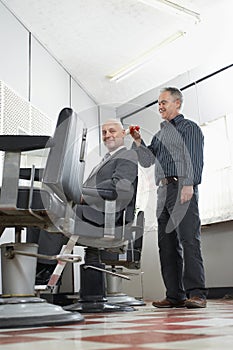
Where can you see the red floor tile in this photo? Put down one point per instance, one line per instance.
(142, 338)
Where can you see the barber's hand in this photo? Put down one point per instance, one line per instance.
(186, 194)
(135, 133)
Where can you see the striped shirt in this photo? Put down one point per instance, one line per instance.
(177, 150)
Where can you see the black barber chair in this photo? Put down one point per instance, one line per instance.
(100, 242)
(110, 237)
(49, 207)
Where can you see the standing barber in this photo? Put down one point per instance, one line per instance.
(177, 152)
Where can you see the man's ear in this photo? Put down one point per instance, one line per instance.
(178, 103)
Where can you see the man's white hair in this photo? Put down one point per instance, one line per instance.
(113, 121)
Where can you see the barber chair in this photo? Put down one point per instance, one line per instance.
(100, 242)
(110, 237)
(130, 260)
(53, 206)
(48, 206)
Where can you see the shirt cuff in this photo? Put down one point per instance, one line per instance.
(187, 182)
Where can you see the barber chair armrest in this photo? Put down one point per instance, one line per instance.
(13, 146)
(106, 194)
(22, 143)
(132, 258)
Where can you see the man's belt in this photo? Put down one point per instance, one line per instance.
(167, 180)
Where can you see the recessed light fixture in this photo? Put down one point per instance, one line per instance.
(172, 7)
(140, 60)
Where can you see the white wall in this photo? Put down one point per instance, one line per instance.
(14, 53)
(49, 85)
(217, 243)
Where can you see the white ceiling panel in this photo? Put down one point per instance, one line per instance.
(93, 39)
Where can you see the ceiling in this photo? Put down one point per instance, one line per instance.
(95, 38)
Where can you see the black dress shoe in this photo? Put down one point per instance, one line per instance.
(43, 273)
(165, 303)
(195, 302)
(43, 277)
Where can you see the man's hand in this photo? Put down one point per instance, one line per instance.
(135, 133)
(186, 194)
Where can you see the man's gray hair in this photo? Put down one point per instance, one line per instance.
(175, 93)
(113, 121)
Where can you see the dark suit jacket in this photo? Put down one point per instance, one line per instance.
(116, 178)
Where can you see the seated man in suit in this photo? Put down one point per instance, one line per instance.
(116, 172)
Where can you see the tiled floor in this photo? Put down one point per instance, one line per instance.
(145, 328)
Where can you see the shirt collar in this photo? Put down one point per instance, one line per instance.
(116, 150)
(175, 121)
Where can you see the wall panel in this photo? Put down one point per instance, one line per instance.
(215, 96)
(14, 53)
(50, 87)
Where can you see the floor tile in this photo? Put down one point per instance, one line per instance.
(145, 328)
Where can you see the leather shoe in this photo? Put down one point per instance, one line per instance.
(195, 302)
(43, 273)
(165, 303)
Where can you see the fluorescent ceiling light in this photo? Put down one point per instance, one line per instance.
(139, 61)
(172, 7)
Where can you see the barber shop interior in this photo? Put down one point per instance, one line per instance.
(116, 175)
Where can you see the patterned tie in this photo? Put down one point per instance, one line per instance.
(98, 166)
(106, 156)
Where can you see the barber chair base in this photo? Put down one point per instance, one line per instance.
(19, 312)
(122, 298)
(92, 290)
(97, 307)
(114, 290)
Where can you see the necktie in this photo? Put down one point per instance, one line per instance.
(96, 168)
(106, 156)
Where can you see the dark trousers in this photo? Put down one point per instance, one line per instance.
(49, 243)
(179, 244)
